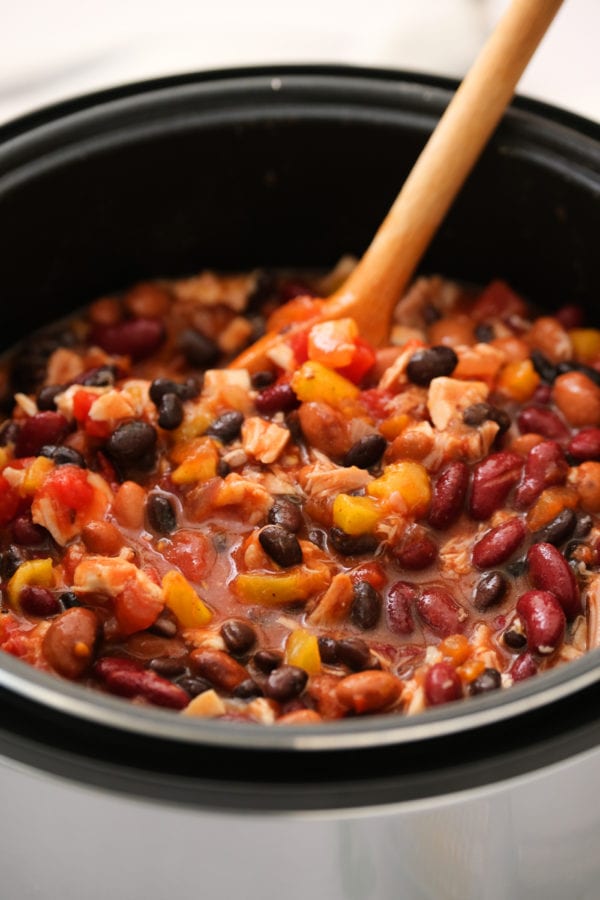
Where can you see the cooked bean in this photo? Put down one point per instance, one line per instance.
(354, 653)
(442, 684)
(366, 605)
(227, 427)
(493, 478)
(239, 637)
(368, 692)
(137, 338)
(129, 505)
(583, 527)
(285, 682)
(132, 442)
(165, 625)
(100, 376)
(325, 428)
(587, 483)
(267, 660)
(39, 430)
(103, 538)
(543, 619)
(416, 549)
(484, 333)
(399, 604)
(425, 365)
(476, 414)
(161, 386)
(490, 591)
(167, 667)
(69, 642)
(246, 689)
(514, 638)
(550, 571)
(63, 456)
(585, 444)
(489, 680)
(578, 399)
(545, 369)
(39, 601)
(281, 545)
(199, 351)
(69, 599)
(537, 420)
(170, 412)
(448, 495)
(278, 397)
(366, 452)
(352, 545)
(328, 650)
(262, 380)
(26, 533)
(10, 561)
(193, 686)
(161, 514)
(46, 399)
(498, 544)
(523, 667)
(438, 609)
(126, 678)
(218, 667)
(558, 530)
(287, 514)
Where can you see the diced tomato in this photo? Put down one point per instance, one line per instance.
(362, 362)
(192, 553)
(371, 572)
(376, 402)
(21, 640)
(498, 301)
(136, 609)
(82, 403)
(299, 344)
(94, 429)
(9, 501)
(70, 487)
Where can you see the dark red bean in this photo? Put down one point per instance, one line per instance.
(523, 667)
(489, 680)
(366, 452)
(543, 619)
(227, 427)
(132, 442)
(287, 514)
(162, 517)
(267, 660)
(170, 412)
(490, 591)
(39, 601)
(279, 397)
(281, 545)
(537, 420)
(38, 430)
(285, 682)
(570, 316)
(127, 679)
(26, 533)
(442, 684)
(239, 636)
(425, 365)
(545, 466)
(416, 550)
(585, 444)
(449, 495)
(493, 478)
(498, 544)
(366, 605)
(399, 604)
(542, 394)
(137, 338)
(438, 609)
(550, 571)
(354, 653)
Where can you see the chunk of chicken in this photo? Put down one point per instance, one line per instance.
(263, 440)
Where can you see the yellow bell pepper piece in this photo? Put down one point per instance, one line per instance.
(355, 515)
(35, 475)
(302, 650)
(333, 343)
(184, 602)
(407, 479)
(280, 588)
(199, 464)
(586, 343)
(193, 425)
(519, 380)
(315, 382)
(36, 572)
(395, 425)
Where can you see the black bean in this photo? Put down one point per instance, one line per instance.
(267, 660)
(10, 561)
(223, 468)
(545, 369)
(366, 452)
(558, 530)
(431, 314)
(514, 639)
(262, 380)
(161, 514)
(69, 599)
(281, 545)
(354, 653)
(161, 386)
(366, 605)
(352, 545)
(165, 625)
(518, 567)
(39, 601)
(328, 650)
(63, 456)
(583, 527)
(491, 589)
(572, 366)
(131, 442)
(484, 333)
(198, 350)
(193, 685)
(285, 682)
(489, 680)
(9, 433)
(170, 412)
(425, 365)
(239, 637)
(46, 399)
(318, 538)
(227, 427)
(286, 513)
(501, 417)
(102, 376)
(476, 414)
(571, 549)
(247, 689)
(167, 667)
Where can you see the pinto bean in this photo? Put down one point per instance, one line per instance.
(69, 642)
(368, 692)
(129, 505)
(218, 668)
(587, 482)
(325, 428)
(103, 538)
(578, 399)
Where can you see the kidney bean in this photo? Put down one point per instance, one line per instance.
(399, 603)
(448, 495)
(425, 365)
(128, 679)
(218, 668)
(570, 316)
(286, 514)
(549, 571)
(162, 517)
(63, 456)
(352, 545)
(39, 601)
(137, 338)
(523, 667)
(285, 682)
(267, 660)
(558, 530)
(542, 395)
(543, 619)
(498, 544)
(493, 478)
(366, 605)
(545, 466)
(170, 412)
(103, 538)
(325, 428)
(354, 653)
(279, 397)
(366, 452)
(239, 636)
(542, 421)
(328, 650)
(38, 430)
(368, 692)
(46, 398)
(578, 399)
(585, 444)
(131, 442)
(489, 680)
(416, 549)
(442, 684)
(281, 545)
(69, 642)
(26, 533)
(490, 591)
(438, 609)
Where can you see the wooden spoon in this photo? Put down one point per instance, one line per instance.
(371, 292)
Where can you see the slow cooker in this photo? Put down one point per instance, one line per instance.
(290, 166)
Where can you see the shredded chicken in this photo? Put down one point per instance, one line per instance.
(263, 440)
(448, 397)
(335, 603)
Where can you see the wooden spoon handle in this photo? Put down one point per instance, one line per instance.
(376, 284)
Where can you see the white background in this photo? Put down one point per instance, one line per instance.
(52, 49)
